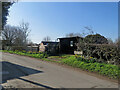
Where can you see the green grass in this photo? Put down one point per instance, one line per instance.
(109, 70)
(31, 54)
(90, 64)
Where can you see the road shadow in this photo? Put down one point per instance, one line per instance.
(38, 84)
(14, 71)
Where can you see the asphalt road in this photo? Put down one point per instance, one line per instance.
(25, 72)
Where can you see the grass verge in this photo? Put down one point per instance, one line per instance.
(31, 54)
(109, 70)
(112, 71)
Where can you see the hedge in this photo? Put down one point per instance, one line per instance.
(102, 52)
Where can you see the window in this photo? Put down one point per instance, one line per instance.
(71, 43)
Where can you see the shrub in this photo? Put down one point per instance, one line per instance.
(96, 39)
(103, 53)
(101, 68)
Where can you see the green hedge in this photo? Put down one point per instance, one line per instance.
(102, 52)
(101, 68)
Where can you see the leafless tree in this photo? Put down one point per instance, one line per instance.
(17, 36)
(22, 34)
(73, 35)
(87, 31)
(30, 42)
(8, 34)
(47, 38)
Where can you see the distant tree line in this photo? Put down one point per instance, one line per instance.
(47, 38)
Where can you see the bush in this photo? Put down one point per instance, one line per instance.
(101, 68)
(96, 39)
(103, 52)
(53, 48)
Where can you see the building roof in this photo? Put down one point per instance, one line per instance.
(49, 42)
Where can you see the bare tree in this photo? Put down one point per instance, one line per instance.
(8, 34)
(22, 34)
(70, 35)
(73, 35)
(25, 31)
(17, 36)
(47, 38)
(87, 31)
(30, 42)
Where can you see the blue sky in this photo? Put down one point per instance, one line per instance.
(56, 19)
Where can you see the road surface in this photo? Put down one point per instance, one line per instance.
(26, 72)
